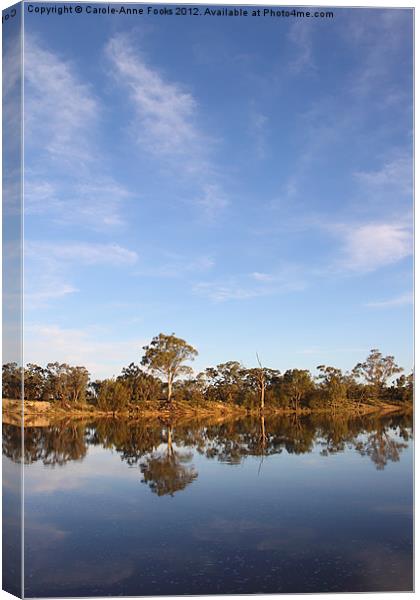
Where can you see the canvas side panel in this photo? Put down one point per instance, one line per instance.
(12, 300)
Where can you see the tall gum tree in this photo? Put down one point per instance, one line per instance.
(165, 356)
(259, 377)
(376, 370)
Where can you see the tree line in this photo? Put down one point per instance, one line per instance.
(163, 377)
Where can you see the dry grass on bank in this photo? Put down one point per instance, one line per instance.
(41, 414)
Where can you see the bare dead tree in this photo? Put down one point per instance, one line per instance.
(261, 382)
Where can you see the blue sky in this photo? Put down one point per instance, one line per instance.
(244, 183)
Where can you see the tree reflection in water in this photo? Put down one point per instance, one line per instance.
(381, 448)
(53, 445)
(164, 451)
(168, 471)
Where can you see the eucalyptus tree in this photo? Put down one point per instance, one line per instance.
(77, 383)
(165, 356)
(64, 383)
(34, 382)
(297, 383)
(143, 386)
(403, 389)
(376, 370)
(258, 375)
(12, 376)
(226, 382)
(113, 395)
(334, 384)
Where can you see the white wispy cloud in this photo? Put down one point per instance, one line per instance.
(50, 342)
(368, 87)
(258, 127)
(178, 266)
(48, 288)
(95, 205)
(81, 253)
(12, 126)
(65, 178)
(380, 41)
(60, 109)
(212, 200)
(395, 173)
(165, 110)
(359, 248)
(402, 300)
(323, 125)
(51, 266)
(258, 276)
(301, 37)
(12, 67)
(371, 246)
(166, 123)
(220, 292)
(11, 90)
(253, 285)
(11, 190)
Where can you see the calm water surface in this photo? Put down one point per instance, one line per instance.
(240, 506)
